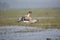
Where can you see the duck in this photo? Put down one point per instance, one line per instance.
(27, 18)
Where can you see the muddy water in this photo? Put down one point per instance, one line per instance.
(28, 33)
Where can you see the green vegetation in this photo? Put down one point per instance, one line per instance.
(35, 12)
(9, 17)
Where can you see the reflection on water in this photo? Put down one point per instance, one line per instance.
(28, 33)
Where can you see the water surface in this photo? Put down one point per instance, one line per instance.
(28, 33)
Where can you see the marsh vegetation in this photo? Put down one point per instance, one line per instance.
(47, 17)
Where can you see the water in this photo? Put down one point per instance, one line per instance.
(28, 33)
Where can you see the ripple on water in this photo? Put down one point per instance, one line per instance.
(28, 33)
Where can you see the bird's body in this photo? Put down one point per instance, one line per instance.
(27, 18)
